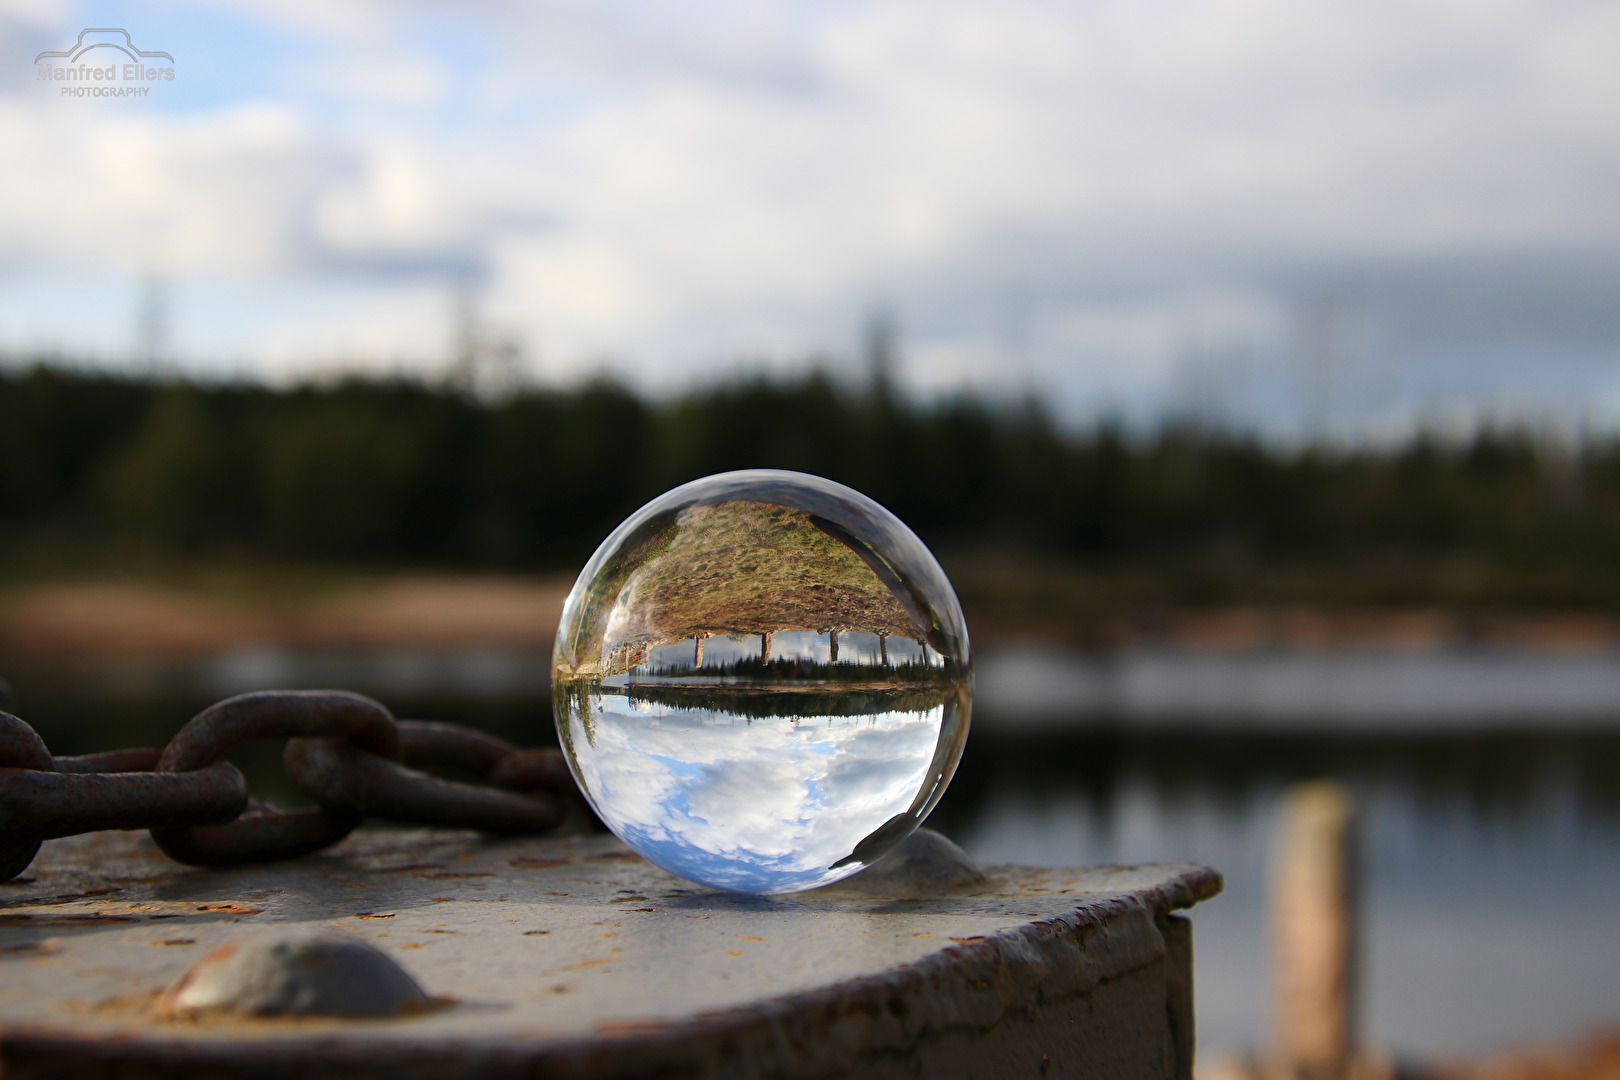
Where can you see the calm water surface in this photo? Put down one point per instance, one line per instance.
(1491, 865)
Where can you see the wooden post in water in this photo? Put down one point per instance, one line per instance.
(1314, 934)
(765, 647)
(697, 652)
(832, 646)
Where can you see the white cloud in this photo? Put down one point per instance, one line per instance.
(194, 195)
(679, 190)
(766, 805)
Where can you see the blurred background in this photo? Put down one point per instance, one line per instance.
(1253, 367)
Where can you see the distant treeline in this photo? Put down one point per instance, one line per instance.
(401, 472)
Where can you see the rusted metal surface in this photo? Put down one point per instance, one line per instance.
(572, 957)
(436, 747)
(343, 777)
(343, 749)
(132, 760)
(286, 714)
(42, 797)
(20, 748)
(281, 714)
(261, 834)
(40, 805)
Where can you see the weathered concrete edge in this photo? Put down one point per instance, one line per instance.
(971, 986)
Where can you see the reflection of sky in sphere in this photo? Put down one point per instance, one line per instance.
(752, 805)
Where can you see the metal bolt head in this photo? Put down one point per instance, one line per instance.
(296, 975)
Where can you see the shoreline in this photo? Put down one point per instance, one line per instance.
(72, 622)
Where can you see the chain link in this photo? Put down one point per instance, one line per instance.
(346, 751)
(260, 835)
(342, 777)
(21, 751)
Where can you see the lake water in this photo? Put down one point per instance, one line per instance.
(1488, 786)
(1491, 864)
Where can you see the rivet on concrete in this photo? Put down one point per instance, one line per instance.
(299, 975)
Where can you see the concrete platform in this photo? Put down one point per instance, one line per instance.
(572, 957)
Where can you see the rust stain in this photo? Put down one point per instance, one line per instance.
(73, 898)
(945, 969)
(104, 914)
(93, 919)
(589, 963)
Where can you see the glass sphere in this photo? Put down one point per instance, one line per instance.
(762, 681)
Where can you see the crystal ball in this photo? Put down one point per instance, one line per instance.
(762, 681)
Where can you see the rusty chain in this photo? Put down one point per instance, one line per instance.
(345, 751)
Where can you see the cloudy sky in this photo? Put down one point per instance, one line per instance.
(763, 805)
(1362, 213)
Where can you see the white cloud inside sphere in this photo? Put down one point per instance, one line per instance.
(761, 805)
